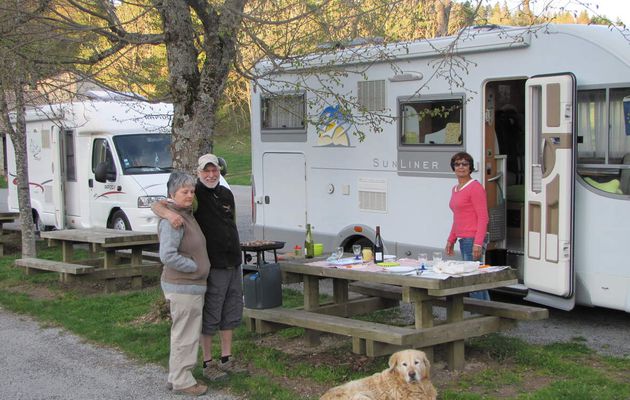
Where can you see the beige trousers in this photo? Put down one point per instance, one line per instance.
(186, 311)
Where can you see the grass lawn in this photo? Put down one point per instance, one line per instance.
(282, 367)
(236, 150)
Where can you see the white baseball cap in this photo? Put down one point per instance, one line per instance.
(207, 159)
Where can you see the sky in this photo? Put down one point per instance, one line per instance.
(612, 9)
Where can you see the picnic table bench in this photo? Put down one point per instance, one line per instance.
(383, 290)
(6, 218)
(122, 255)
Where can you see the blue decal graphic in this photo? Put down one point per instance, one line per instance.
(333, 128)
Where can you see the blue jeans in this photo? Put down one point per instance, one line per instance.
(466, 247)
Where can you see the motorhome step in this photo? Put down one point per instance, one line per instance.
(516, 252)
(54, 266)
(496, 308)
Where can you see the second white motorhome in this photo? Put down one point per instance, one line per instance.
(544, 111)
(95, 164)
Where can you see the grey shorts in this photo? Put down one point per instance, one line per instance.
(223, 305)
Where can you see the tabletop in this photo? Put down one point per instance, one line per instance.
(434, 287)
(103, 237)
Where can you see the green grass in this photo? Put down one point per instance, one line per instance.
(236, 150)
(3, 182)
(511, 368)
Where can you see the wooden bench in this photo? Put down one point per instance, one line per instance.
(66, 270)
(371, 338)
(495, 308)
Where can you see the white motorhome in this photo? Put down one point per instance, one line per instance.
(544, 111)
(95, 164)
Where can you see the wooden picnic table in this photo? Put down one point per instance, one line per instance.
(122, 254)
(385, 290)
(6, 218)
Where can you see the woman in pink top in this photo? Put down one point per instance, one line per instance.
(470, 214)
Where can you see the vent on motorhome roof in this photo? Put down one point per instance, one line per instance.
(371, 95)
(372, 194)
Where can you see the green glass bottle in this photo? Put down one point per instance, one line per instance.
(309, 245)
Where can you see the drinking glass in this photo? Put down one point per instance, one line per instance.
(422, 260)
(338, 253)
(437, 257)
(356, 250)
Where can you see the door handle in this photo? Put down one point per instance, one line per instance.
(266, 199)
(496, 177)
(90, 183)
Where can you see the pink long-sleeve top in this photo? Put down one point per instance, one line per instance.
(470, 212)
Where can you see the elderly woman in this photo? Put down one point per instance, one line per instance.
(470, 214)
(186, 268)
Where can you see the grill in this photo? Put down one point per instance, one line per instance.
(260, 247)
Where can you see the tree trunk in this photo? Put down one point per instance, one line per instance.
(18, 137)
(196, 89)
(443, 12)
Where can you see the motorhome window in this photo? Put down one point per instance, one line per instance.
(283, 112)
(604, 139)
(102, 153)
(144, 153)
(431, 123)
(71, 171)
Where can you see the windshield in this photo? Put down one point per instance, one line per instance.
(144, 153)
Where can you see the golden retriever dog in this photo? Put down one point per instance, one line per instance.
(406, 378)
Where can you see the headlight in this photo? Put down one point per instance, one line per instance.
(146, 201)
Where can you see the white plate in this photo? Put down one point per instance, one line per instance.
(400, 270)
(389, 257)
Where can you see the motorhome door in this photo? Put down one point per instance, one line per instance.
(59, 180)
(549, 157)
(284, 210)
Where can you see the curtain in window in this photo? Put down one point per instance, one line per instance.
(619, 141)
(592, 125)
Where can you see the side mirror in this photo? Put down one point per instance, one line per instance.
(102, 174)
(223, 166)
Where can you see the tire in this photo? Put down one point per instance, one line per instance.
(119, 221)
(363, 241)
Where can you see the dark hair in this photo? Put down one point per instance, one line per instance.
(462, 155)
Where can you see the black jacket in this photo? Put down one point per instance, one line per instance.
(216, 215)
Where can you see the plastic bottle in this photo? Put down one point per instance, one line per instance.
(309, 245)
(378, 246)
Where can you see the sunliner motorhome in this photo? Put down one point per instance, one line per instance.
(95, 164)
(544, 111)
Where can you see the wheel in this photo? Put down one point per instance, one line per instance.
(360, 240)
(119, 221)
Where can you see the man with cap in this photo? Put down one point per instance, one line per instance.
(214, 210)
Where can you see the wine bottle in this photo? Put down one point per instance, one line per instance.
(378, 246)
(309, 245)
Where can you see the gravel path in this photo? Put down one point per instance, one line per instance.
(49, 363)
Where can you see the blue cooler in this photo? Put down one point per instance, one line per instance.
(262, 288)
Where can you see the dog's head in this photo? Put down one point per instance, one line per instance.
(410, 365)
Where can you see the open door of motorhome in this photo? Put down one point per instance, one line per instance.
(58, 184)
(549, 156)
